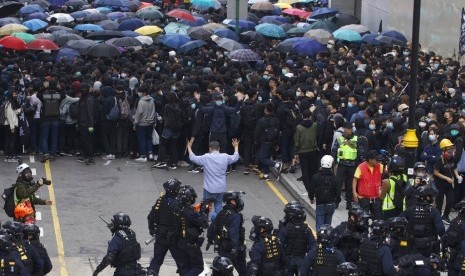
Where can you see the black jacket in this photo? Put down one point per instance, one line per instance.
(262, 124)
(323, 187)
(86, 111)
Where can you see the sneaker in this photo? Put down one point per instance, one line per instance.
(109, 157)
(246, 171)
(265, 177)
(255, 170)
(77, 154)
(279, 167)
(160, 165)
(183, 164)
(90, 161)
(141, 159)
(194, 170)
(150, 157)
(299, 178)
(446, 220)
(173, 167)
(45, 158)
(81, 160)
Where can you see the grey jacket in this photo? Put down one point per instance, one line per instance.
(145, 112)
(64, 109)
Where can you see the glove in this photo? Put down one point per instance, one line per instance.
(209, 243)
(95, 273)
(152, 232)
(460, 179)
(91, 129)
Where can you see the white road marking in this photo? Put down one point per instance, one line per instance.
(34, 171)
(41, 231)
(38, 215)
(31, 159)
(107, 163)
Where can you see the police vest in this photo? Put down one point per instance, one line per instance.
(347, 148)
(167, 216)
(370, 262)
(223, 228)
(388, 202)
(296, 239)
(8, 266)
(325, 262)
(130, 249)
(272, 255)
(422, 224)
(23, 254)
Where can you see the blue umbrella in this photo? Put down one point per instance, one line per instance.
(325, 25)
(324, 13)
(103, 9)
(370, 39)
(245, 25)
(30, 9)
(205, 4)
(131, 24)
(88, 28)
(130, 34)
(79, 14)
(288, 44)
(347, 35)
(276, 11)
(112, 3)
(395, 34)
(67, 53)
(36, 15)
(199, 21)
(226, 33)
(115, 15)
(191, 45)
(8, 20)
(35, 24)
(270, 30)
(175, 40)
(281, 19)
(309, 47)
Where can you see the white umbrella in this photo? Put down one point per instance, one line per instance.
(257, 1)
(61, 17)
(145, 39)
(91, 11)
(356, 27)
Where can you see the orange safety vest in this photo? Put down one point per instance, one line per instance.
(369, 183)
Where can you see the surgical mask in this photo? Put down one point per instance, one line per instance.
(259, 98)
(193, 105)
(421, 101)
(266, 77)
(157, 69)
(372, 127)
(218, 102)
(389, 125)
(349, 104)
(284, 71)
(454, 132)
(239, 80)
(123, 75)
(139, 94)
(422, 124)
(463, 111)
(394, 54)
(406, 53)
(463, 97)
(435, 66)
(354, 129)
(298, 94)
(174, 75)
(329, 46)
(378, 71)
(336, 87)
(173, 88)
(340, 62)
(189, 63)
(432, 137)
(380, 111)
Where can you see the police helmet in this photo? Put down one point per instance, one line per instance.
(172, 186)
(5, 242)
(294, 213)
(236, 196)
(420, 169)
(187, 195)
(425, 195)
(260, 222)
(397, 165)
(398, 226)
(325, 234)
(378, 227)
(15, 228)
(348, 269)
(222, 265)
(361, 220)
(437, 264)
(460, 206)
(121, 220)
(31, 229)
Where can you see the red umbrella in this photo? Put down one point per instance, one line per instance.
(144, 5)
(181, 14)
(11, 42)
(42, 44)
(297, 12)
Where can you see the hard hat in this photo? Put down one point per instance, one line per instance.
(21, 168)
(327, 161)
(445, 143)
(22, 210)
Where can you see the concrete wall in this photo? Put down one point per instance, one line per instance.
(440, 21)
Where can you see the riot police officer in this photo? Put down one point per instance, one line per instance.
(123, 250)
(454, 242)
(324, 258)
(413, 265)
(425, 223)
(266, 254)
(31, 234)
(348, 235)
(420, 179)
(10, 259)
(222, 266)
(375, 255)
(295, 236)
(165, 225)
(192, 225)
(398, 237)
(228, 233)
(347, 269)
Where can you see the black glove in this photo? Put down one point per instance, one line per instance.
(95, 273)
(209, 243)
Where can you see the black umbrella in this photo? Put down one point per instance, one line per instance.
(9, 7)
(52, 29)
(252, 36)
(252, 17)
(108, 25)
(105, 35)
(124, 42)
(62, 40)
(94, 17)
(82, 46)
(103, 50)
(390, 40)
(342, 19)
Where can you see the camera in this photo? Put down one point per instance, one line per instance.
(46, 181)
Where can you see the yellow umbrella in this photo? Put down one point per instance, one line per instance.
(288, 1)
(148, 30)
(283, 6)
(12, 28)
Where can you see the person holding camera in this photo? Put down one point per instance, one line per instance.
(25, 187)
(419, 179)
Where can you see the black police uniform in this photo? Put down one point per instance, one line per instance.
(11, 264)
(375, 257)
(297, 239)
(454, 243)
(413, 265)
(347, 239)
(228, 233)
(322, 260)
(43, 254)
(266, 257)
(30, 258)
(165, 224)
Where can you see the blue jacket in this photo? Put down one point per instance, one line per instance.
(430, 154)
(108, 100)
(218, 116)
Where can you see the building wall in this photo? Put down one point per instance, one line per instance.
(439, 26)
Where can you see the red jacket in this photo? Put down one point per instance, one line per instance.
(369, 183)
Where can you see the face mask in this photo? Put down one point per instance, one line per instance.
(422, 124)
(463, 97)
(421, 101)
(174, 75)
(349, 104)
(239, 80)
(219, 102)
(449, 154)
(380, 112)
(406, 53)
(330, 46)
(193, 105)
(298, 94)
(189, 63)
(372, 127)
(454, 132)
(355, 62)
(389, 125)
(139, 94)
(266, 77)
(394, 54)
(173, 88)
(123, 75)
(463, 111)
(432, 137)
(157, 69)
(259, 99)
(435, 66)
(378, 71)
(336, 87)
(340, 62)
(354, 129)
(284, 71)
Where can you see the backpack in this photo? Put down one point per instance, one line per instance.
(178, 118)
(125, 108)
(113, 115)
(51, 106)
(73, 111)
(399, 194)
(362, 146)
(454, 234)
(9, 198)
(271, 132)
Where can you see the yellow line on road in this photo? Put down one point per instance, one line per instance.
(56, 223)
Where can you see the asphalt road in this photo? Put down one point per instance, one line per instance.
(75, 236)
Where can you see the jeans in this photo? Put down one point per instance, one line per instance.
(286, 146)
(265, 157)
(49, 133)
(217, 200)
(324, 214)
(144, 136)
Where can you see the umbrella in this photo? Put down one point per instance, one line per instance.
(320, 35)
(206, 4)
(243, 24)
(35, 24)
(270, 30)
(356, 27)
(112, 3)
(66, 53)
(36, 15)
(303, 25)
(147, 40)
(323, 13)
(94, 17)
(115, 15)
(103, 50)
(148, 30)
(42, 44)
(88, 28)
(252, 36)
(226, 33)
(342, 19)
(145, 5)
(214, 26)
(396, 35)
(130, 34)
(229, 44)
(131, 24)
(61, 17)
(181, 14)
(42, 3)
(262, 6)
(59, 33)
(199, 21)
(104, 35)
(347, 35)
(14, 43)
(325, 25)
(253, 17)
(12, 28)
(191, 45)
(30, 9)
(250, 2)
(297, 12)
(149, 13)
(288, 1)
(370, 39)
(75, 3)
(287, 26)
(108, 25)
(104, 10)
(62, 40)
(24, 36)
(79, 14)
(390, 40)
(9, 7)
(8, 20)
(175, 40)
(282, 19)
(199, 33)
(124, 42)
(60, 28)
(244, 55)
(297, 31)
(82, 46)
(308, 47)
(45, 36)
(287, 45)
(283, 5)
